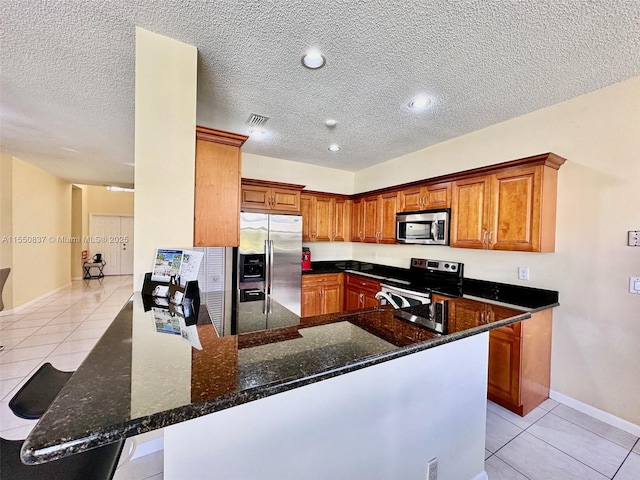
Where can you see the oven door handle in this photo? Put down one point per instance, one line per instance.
(381, 295)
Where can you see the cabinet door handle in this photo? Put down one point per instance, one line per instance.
(489, 238)
(423, 200)
(484, 236)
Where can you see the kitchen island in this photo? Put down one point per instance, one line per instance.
(359, 395)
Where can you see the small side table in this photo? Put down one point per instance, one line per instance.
(89, 265)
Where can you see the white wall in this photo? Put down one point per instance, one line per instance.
(595, 356)
(379, 423)
(165, 123)
(322, 179)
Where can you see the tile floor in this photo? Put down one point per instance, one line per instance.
(553, 442)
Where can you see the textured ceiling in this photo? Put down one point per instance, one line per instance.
(67, 72)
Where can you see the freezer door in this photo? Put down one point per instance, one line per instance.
(285, 271)
(254, 231)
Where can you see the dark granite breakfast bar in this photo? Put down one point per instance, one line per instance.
(158, 367)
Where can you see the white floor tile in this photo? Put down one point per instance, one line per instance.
(39, 316)
(92, 324)
(605, 430)
(19, 433)
(538, 460)
(86, 333)
(27, 353)
(522, 422)
(74, 346)
(583, 445)
(9, 421)
(64, 327)
(67, 320)
(499, 470)
(35, 340)
(499, 432)
(17, 333)
(68, 362)
(487, 453)
(630, 469)
(6, 386)
(142, 468)
(17, 369)
(28, 323)
(636, 449)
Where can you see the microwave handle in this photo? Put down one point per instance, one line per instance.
(434, 230)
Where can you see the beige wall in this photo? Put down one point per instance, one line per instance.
(314, 177)
(101, 200)
(595, 357)
(6, 225)
(165, 122)
(40, 208)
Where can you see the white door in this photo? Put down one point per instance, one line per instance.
(126, 248)
(112, 236)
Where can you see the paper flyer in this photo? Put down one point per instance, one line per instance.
(167, 264)
(191, 261)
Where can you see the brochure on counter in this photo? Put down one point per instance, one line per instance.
(181, 266)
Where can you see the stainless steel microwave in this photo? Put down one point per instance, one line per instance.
(427, 227)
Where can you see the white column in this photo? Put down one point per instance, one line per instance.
(165, 121)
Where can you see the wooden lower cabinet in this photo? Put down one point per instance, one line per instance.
(520, 364)
(322, 294)
(360, 292)
(519, 354)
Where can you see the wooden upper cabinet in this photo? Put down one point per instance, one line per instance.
(217, 188)
(470, 212)
(357, 220)
(379, 218)
(325, 218)
(270, 197)
(425, 198)
(510, 210)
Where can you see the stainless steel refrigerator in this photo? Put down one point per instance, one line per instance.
(274, 244)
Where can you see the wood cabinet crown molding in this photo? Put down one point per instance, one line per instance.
(545, 159)
(267, 183)
(220, 136)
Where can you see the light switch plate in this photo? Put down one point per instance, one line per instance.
(634, 285)
(523, 273)
(634, 238)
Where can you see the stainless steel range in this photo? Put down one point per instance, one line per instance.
(426, 276)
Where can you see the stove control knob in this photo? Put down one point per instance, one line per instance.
(446, 265)
(453, 267)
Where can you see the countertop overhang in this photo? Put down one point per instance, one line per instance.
(138, 378)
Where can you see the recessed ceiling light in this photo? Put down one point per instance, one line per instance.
(330, 122)
(334, 148)
(313, 59)
(420, 102)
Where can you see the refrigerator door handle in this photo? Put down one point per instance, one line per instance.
(267, 268)
(270, 272)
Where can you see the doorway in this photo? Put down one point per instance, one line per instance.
(112, 236)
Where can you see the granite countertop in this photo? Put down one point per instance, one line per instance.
(152, 369)
(483, 290)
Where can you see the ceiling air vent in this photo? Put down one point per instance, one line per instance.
(256, 120)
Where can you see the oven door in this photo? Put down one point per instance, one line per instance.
(401, 298)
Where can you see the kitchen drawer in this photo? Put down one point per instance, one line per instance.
(500, 313)
(312, 280)
(363, 283)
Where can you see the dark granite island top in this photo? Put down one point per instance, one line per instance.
(147, 373)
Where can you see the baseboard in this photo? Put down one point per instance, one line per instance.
(148, 443)
(594, 412)
(76, 278)
(24, 306)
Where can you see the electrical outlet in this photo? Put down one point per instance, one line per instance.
(432, 469)
(523, 273)
(634, 238)
(634, 284)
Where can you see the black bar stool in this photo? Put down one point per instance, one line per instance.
(41, 389)
(30, 402)
(97, 464)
